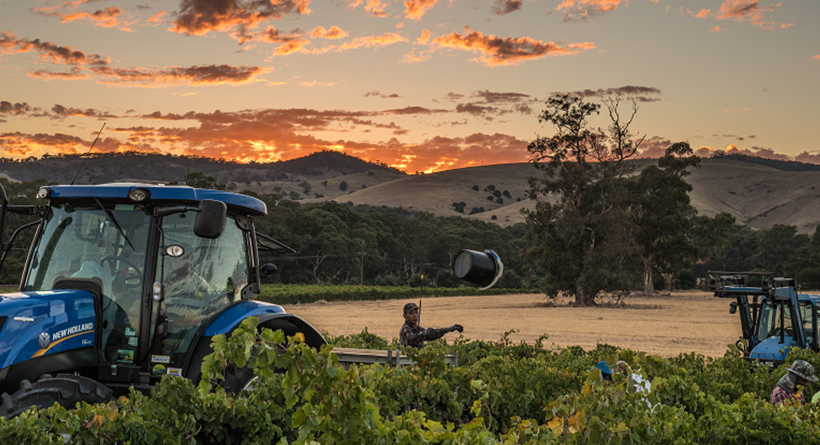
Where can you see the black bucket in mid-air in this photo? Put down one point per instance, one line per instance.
(480, 268)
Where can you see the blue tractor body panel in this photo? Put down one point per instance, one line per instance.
(233, 316)
(772, 349)
(248, 204)
(45, 322)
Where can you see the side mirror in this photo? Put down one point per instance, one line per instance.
(210, 221)
(483, 269)
(268, 269)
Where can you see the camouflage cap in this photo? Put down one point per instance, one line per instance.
(802, 368)
(409, 307)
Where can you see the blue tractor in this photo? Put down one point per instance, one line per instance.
(774, 318)
(125, 283)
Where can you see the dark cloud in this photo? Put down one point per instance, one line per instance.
(61, 111)
(492, 104)
(641, 94)
(577, 10)
(654, 147)
(16, 108)
(384, 96)
(477, 110)
(502, 7)
(199, 17)
(175, 75)
(414, 110)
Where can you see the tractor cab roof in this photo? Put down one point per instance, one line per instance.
(155, 194)
(814, 299)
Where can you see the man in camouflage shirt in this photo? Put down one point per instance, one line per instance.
(412, 334)
(786, 389)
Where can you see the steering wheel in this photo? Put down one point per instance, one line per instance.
(128, 277)
(776, 332)
(202, 306)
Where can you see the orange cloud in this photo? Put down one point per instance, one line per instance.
(816, 57)
(505, 51)
(375, 8)
(415, 9)
(24, 145)
(268, 135)
(413, 57)
(703, 13)
(744, 11)
(291, 43)
(584, 9)
(10, 44)
(424, 39)
(106, 18)
(385, 39)
(157, 18)
(333, 33)
(74, 74)
(98, 65)
(716, 29)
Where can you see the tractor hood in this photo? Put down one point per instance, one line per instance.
(771, 349)
(37, 324)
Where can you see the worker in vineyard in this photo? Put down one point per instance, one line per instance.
(412, 334)
(799, 374)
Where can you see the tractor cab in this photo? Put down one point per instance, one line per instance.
(125, 283)
(774, 317)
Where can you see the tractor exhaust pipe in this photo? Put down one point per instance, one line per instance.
(483, 269)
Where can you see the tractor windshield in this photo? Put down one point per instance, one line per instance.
(770, 321)
(84, 242)
(199, 277)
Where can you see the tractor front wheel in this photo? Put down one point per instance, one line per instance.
(239, 379)
(65, 389)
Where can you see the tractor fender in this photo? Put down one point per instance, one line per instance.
(270, 316)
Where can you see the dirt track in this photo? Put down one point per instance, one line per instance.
(664, 325)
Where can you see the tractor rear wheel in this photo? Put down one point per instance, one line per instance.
(65, 389)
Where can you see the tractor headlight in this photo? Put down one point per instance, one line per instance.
(138, 195)
(44, 193)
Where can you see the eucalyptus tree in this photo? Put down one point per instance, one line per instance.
(579, 227)
(662, 212)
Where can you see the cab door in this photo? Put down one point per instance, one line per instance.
(199, 278)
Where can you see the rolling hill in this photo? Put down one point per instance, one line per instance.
(758, 192)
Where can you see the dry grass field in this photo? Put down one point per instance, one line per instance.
(666, 325)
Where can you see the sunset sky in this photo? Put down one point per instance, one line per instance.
(422, 85)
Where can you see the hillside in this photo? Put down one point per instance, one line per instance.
(760, 193)
(757, 195)
(154, 168)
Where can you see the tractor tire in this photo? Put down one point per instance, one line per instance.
(238, 380)
(65, 389)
